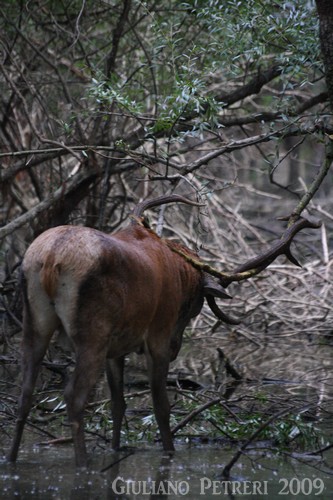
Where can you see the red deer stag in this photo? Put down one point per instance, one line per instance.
(132, 291)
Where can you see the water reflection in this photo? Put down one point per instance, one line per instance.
(148, 473)
(292, 372)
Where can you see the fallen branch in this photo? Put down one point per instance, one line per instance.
(70, 185)
(196, 412)
(226, 470)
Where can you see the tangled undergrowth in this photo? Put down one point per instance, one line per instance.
(266, 382)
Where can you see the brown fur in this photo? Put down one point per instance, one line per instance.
(112, 295)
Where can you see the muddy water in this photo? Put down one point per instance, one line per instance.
(303, 371)
(144, 471)
(191, 473)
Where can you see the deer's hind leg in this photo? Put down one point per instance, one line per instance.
(37, 333)
(90, 352)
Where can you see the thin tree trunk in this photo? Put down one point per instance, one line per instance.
(325, 13)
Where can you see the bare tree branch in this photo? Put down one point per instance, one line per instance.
(69, 186)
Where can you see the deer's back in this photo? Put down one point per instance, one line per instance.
(124, 285)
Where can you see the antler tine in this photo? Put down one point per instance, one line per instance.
(220, 314)
(254, 266)
(162, 200)
(282, 247)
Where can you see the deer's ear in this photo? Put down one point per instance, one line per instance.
(213, 288)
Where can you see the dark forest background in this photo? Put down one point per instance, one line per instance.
(106, 103)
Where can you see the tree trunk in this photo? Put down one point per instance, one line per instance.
(325, 13)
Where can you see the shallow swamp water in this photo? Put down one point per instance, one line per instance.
(293, 375)
(193, 472)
